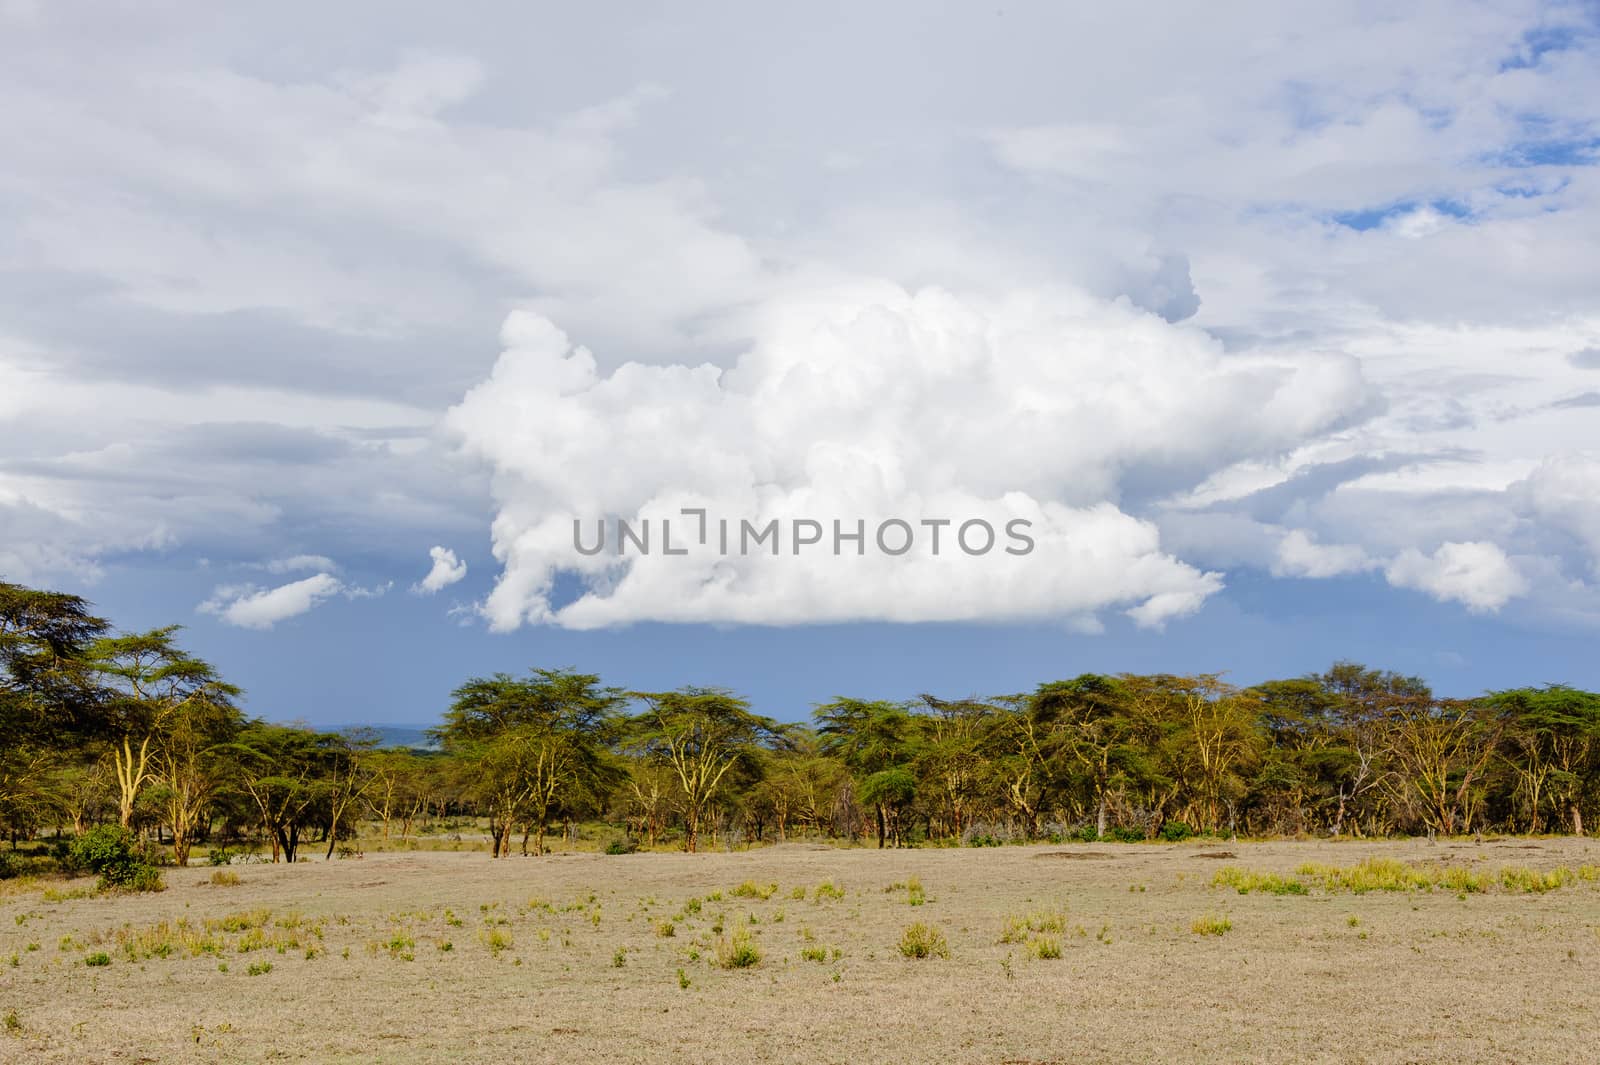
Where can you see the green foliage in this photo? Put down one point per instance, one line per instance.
(827, 890)
(1245, 882)
(1018, 929)
(1211, 925)
(738, 951)
(1176, 831)
(752, 890)
(97, 958)
(113, 853)
(622, 845)
(259, 968)
(1045, 948)
(920, 940)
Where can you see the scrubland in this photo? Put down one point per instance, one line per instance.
(1197, 952)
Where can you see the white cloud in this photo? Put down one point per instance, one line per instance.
(1301, 556)
(447, 570)
(251, 607)
(867, 401)
(1477, 574)
(1389, 223)
(296, 563)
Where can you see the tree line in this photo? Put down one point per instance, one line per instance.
(101, 726)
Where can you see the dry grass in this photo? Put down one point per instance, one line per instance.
(1453, 952)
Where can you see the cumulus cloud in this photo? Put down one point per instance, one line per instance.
(447, 570)
(1476, 573)
(252, 607)
(1299, 555)
(870, 402)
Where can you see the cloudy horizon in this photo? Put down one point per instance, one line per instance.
(1278, 327)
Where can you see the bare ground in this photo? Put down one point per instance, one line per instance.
(1319, 978)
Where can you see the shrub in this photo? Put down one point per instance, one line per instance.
(1018, 929)
(1390, 874)
(827, 890)
(921, 940)
(666, 929)
(260, 968)
(225, 878)
(111, 852)
(739, 952)
(620, 958)
(97, 958)
(1245, 882)
(1176, 831)
(752, 890)
(1045, 948)
(496, 940)
(13, 1022)
(1126, 834)
(621, 845)
(817, 954)
(1210, 925)
(220, 856)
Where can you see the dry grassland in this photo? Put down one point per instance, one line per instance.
(1079, 953)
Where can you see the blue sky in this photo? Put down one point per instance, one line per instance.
(1279, 327)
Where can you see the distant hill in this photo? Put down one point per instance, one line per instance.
(401, 736)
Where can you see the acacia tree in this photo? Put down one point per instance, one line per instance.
(952, 756)
(48, 698)
(537, 744)
(1087, 719)
(1441, 748)
(279, 768)
(149, 682)
(874, 739)
(701, 735)
(394, 788)
(1553, 740)
(189, 764)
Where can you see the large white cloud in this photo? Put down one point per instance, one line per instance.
(1477, 574)
(868, 402)
(237, 296)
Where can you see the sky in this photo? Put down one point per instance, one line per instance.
(1278, 329)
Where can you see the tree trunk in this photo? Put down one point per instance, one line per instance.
(1577, 821)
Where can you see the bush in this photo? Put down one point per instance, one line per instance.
(98, 958)
(621, 845)
(1125, 834)
(220, 856)
(921, 940)
(740, 952)
(1210, 925)
(1176, 831)
(752, 890)
(112, 852)
(1045, 948)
